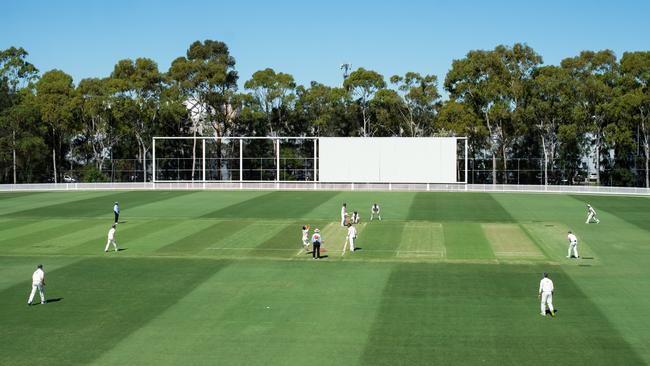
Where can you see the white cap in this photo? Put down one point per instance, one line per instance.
(316, 231)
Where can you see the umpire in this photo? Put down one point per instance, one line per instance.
(316, 240)
(116, 211)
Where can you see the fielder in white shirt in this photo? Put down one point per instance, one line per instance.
(355, 217)
(351, 237)
(305, 237)
(38, 281)
(573, 245)
(591, 215)
(111, 239)
(344, 212)
(374, 210)
(546, 294)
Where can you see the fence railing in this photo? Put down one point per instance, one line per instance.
(305, 186)
(519, 172)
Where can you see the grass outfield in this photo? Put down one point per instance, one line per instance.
(209, 278)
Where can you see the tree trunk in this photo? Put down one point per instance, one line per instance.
(505, 165)
(14, 154)
(646, 149)
(545, 161)
(494, 168)
(193, 154)
(144, 164)
(598, 164)
(54, 162)
(365, 124)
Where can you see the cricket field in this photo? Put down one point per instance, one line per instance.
(221, 278)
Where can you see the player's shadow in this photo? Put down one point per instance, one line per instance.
(122, 249)
(324, 256)
(56, 299)
(358, 249)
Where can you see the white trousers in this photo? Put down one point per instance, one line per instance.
(590, 217)
(372, 216)
(108, 244)
(40, 292)
(351, 240)
(573, 247)
(547, 299)
(342, 220)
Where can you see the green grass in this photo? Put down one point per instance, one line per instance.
(211, 278)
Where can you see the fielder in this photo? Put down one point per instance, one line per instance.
(305, 237)
(546, 294)
(344, 213)
(374, 210)
(38, 281)
(316, 241)
(573, 245)
(350, 238)
(116, 211)
(111, 239)
(355, 217)
(591, 215)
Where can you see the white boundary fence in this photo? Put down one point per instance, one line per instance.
(311, 186)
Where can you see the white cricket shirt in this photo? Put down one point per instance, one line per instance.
(305, 234)
(546, 285)
(352, 232)
(37, 277)
(343, 211)
(111, 234)
(572, 239)
(116, 209)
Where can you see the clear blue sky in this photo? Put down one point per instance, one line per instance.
(310, 40)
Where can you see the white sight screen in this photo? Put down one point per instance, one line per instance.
(387, 159)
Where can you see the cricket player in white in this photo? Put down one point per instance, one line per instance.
(352, 235)
(355, 217)
(546, 294)
(591, 215)
(305, 237)
(573, 245)
(38, 281)
(111, 239)
(344, 212)
(374, 210)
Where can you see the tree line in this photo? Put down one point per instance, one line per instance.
(505, 100)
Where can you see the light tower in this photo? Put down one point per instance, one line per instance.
(346, 70)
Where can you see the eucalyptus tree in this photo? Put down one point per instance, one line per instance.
(55, 99)
(550, 109)
(421, 99)
(388, 109)
(137, 86)
(274, 94)
(494, 84)
(597, 74)
(324, 109)
(635, 99)
(16, 74)
(363, 84)
(207, 80)
(93, 106)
